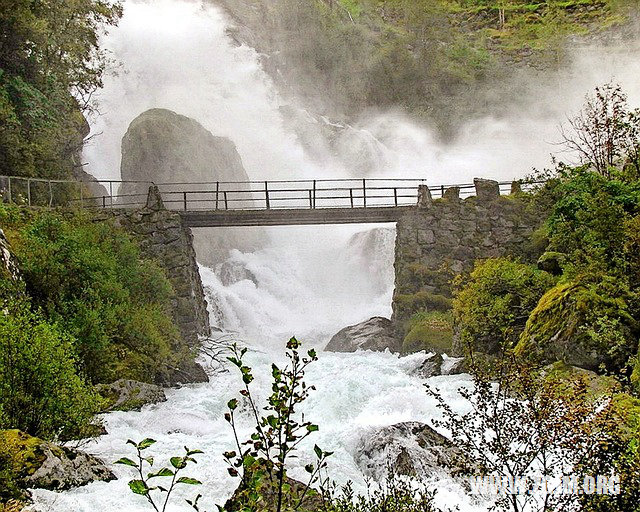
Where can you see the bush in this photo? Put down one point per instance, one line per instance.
(431, 331)
(90, 279)
(491, 307)
(40, 391)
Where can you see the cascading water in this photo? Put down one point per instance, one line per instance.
(308, 282)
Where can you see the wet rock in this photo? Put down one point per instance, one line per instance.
(130, 395)
(552, 262)
(231, 272)
(35, 463)
(189, 372)
(437, 364)
(410, 449)
(375, 334)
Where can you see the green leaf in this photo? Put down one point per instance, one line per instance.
(139, 487)
(178, 462)
(192, 452)
(162, 472)
(146, 443)
(318, 451)
(309, 468)
(188, 481)
(233, 404)
(312, 428)
(126, 462)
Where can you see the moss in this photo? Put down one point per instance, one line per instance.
(585, 323)
(431, 331)
(20, 457)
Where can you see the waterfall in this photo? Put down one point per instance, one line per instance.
(306, 281)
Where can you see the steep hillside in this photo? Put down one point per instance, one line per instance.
(440, 60)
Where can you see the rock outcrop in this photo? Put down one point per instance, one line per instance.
(436, 364)
(8, 264)
(34, 463)
(375, 334)
(162, 146)
(410, 449)
(130, 395)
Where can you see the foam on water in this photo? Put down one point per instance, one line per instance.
(355, 394)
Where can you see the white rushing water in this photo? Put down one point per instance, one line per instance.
(308, 282)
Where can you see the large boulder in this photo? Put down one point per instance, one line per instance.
(408, 449)
(130, 395)
(162, 146)
(375, 334)
(567, 325)
(28, 462)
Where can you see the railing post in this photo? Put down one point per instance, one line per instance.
(104, 201)
(184, 199)
(29, 190)
(314, 194)
(50, 194)
(10, 196)
(81, 197)
(395, 196)
(441, 190)
(364, 192)
(111, 193)
(217, 193)
(266, 194)
(226, 203)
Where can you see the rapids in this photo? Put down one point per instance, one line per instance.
(309, 282)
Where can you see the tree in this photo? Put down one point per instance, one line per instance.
(50, 65)
(605, 132)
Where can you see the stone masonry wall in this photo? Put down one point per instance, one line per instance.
(444, 237)
(164, 238)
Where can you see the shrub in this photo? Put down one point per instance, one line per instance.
(491, 307)
(40, 391)
(91, 280)
(431, 331)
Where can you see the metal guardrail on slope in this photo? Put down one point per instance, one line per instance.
(228, 195)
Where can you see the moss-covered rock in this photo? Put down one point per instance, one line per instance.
(552, 262)
(129, 395)
(585, 323)
(28, 462)
(431, 331)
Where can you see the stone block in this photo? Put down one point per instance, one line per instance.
(486, 190)
(424, 197)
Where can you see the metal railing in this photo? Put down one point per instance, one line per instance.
(229, 195)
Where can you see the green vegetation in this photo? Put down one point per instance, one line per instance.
(431, 331)
(50, 64)
(493, 305)
(88, 309)
(442, 60)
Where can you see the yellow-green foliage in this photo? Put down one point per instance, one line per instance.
(585, 322)
(431, 331)
(19, 458)
(40, 390)
(408, 304)
(492, 304)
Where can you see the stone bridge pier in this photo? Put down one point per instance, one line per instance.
(442, 238)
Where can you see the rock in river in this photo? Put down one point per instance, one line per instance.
(375, 334)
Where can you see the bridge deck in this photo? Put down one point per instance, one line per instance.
(292, 217)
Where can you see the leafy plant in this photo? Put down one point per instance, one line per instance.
(145, 484)
(278, 432)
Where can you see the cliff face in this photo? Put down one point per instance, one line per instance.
(161, 146)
